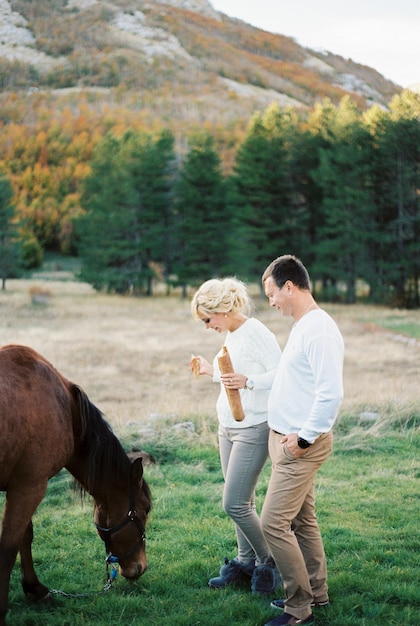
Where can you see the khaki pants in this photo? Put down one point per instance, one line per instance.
(290, 526)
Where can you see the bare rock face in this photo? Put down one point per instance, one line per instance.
(132, 30)
(17, 42)
(13, 29)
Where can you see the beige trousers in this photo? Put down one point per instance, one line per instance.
(290, 526)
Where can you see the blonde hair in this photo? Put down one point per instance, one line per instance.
(221, 295)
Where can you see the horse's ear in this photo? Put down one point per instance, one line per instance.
(137, 471)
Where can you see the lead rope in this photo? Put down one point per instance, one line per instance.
(111, 571)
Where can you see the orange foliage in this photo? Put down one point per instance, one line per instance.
(48, 157)
(46, 164)
(250, 55)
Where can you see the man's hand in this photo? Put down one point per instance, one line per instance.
(291, 441)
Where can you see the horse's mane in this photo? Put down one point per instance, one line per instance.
(102, 452)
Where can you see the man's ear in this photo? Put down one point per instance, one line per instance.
(289, 286)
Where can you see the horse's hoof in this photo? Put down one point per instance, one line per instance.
(48, 596)
(37, 593)
(37, 600)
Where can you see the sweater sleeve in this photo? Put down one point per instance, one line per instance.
(325, 358)
(255, 352)
(262, 356)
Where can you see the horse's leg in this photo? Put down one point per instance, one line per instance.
(7, 560)
(20, 505)
(33, 589)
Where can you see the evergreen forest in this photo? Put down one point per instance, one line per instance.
(336, 186)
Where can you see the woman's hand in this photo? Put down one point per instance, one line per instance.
(233, 380)
(204, 366)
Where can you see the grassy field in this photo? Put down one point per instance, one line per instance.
(131, 357)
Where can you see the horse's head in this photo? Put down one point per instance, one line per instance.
(123, 525)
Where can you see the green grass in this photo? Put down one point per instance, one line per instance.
(368, 507)
(405, 322)
(407, 329)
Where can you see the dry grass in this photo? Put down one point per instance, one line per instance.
(131, 355)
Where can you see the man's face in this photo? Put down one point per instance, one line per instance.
(278, 298)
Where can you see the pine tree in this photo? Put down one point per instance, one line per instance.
(9, 238)
(203, 223)
(344, 174)
(105, 228)
(153, 172)
(267, 219)
(396, 185)
(126, 198)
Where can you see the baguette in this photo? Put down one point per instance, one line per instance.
(234, 397)
(195, 366)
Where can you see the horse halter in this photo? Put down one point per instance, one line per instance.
(130, 517)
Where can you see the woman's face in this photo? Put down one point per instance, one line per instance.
(220, 322)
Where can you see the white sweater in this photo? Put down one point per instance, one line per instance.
(254, 352)
(308, 387)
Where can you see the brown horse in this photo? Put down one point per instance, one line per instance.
(47, 423)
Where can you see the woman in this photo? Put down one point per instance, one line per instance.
(224, 305)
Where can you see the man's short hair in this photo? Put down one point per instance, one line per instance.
(288, 267)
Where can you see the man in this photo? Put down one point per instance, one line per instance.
(302, 407)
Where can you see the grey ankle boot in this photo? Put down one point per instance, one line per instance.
(231, 572)
(265, 578)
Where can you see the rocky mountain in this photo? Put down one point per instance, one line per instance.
(181, 58)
